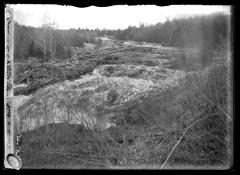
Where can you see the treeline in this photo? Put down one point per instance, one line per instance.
(194, 31)
(208, 33)
(47, 42)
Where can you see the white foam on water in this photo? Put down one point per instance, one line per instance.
(68, 93)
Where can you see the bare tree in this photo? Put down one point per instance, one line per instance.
(48, 27)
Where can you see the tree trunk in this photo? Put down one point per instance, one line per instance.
(44, 45)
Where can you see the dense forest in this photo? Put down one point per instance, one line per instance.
(31, 41)
(208, 33)
(187, 32)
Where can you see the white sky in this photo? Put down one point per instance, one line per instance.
(113, 17)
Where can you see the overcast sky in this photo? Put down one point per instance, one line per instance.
(113, 17)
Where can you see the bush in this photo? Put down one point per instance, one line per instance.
(112, 96)
(196, 113)
(206, 100)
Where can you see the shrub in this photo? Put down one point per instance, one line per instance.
(194, 124)
(112, 96)
(205, 97)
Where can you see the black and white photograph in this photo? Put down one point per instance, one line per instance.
(118, 87)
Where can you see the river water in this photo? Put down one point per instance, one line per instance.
(77, 101)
